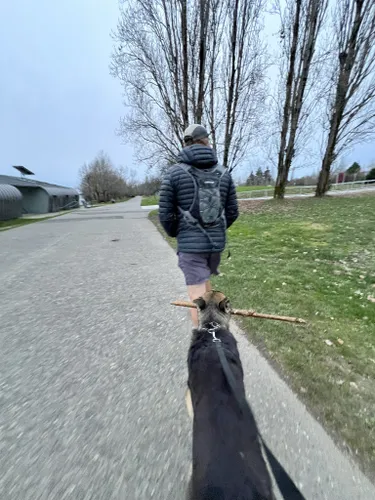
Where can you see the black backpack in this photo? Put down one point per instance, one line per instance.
(207, 195)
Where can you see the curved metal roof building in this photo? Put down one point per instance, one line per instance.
(59, 191)
(40, 197)
(10, 202)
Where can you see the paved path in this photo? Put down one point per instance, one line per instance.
(92, 370)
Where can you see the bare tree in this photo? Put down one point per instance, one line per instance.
(182, 60)
(100, 181)
(152, 67)
(301, 23)
(244, 67)
(351, 103)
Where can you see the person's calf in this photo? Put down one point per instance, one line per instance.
(196, 291)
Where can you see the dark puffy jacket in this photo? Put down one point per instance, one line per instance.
(178, 190)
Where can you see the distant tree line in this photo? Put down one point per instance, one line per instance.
(260, 178)
(354, 173)
(101, 181)
(338, 175)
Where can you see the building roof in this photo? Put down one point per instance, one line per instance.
(8, 193)
(59, 191)
(51, 189)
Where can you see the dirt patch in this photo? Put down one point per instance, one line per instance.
(314, 226)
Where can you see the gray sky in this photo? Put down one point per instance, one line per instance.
(58, 104)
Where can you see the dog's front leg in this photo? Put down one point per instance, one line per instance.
(189, 404)
(189, 492)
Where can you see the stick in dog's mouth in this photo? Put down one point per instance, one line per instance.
(246, 313)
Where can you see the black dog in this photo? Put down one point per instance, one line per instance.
(227, 457)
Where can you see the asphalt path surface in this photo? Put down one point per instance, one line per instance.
(93, 370)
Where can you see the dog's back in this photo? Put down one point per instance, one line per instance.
(227, 458)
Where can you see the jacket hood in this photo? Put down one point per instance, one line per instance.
(198, 155)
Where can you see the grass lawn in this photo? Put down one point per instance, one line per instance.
(95, 204)
(149, 200)
(241, 189)
(9, 224)
(314, 259)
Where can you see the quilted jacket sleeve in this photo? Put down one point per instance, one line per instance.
(168, 206)
(231, 207)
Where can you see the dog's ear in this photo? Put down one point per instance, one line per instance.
(224, 306)
(200, 303)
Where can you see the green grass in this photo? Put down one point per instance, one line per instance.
(260, 191)
(149, 200)
(154, 217)
(95, 204)
(314, 259)
(9, 224)
(241, 189)
(13, 223)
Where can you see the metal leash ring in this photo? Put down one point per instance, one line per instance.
(214, 338)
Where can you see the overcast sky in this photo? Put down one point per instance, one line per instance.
(58, 104)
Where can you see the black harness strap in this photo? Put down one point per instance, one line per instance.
(287, 487)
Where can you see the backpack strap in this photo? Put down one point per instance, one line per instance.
(187, 213)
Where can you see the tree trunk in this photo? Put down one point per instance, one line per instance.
(311, 29)
(323, 180)
(227, 137)
(204, 13)
(212, 107)
(347, 60)
(280, 185)
(185, 65)
(282, 173)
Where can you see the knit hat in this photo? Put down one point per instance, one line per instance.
(194, 132)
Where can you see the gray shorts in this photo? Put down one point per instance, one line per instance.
(198, 267)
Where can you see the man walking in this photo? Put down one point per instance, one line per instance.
(197, 204)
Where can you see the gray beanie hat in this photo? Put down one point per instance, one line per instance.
(194, 132)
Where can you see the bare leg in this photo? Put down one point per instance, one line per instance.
(189, 492)
(189, 404)
(196, 291)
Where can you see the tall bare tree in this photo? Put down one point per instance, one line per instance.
(301, 23)
(244, 67)
(100, 181)
(190, 60)
(351, 101)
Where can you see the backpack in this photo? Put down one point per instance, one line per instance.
(207, 194)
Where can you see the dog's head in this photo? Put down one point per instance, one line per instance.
(213, 307)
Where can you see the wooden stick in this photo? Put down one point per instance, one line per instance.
(248, 313)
